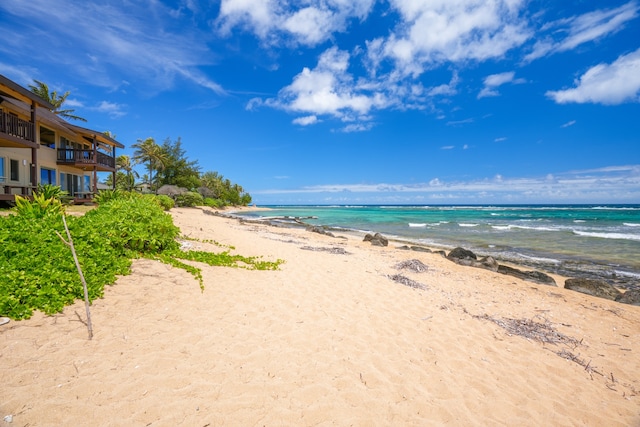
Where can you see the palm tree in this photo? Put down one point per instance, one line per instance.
(124, 164)
(149, 152)
(42, 90)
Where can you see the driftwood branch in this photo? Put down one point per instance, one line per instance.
(84, 282)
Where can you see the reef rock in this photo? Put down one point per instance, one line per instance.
(630, 297)
(596, 288)
(377, 239)
(530, 276)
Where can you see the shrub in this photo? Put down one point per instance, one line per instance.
(189, 199)
(105, 196)
(49, 191)
(37, 271)
(166, 202)
(213, 203)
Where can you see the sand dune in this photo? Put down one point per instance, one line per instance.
(329, 339)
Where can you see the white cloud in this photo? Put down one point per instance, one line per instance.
(328, 89)
(495, 80)
(305, 121)
(436, 31)
(112, 109)
(306, 23)
(569, 123)
(607, 84)
(577, 30)
(134, 41)
(609, 184)
(500, 139)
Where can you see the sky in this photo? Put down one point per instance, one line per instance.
(356, 101)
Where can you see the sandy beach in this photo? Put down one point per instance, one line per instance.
(328, 339)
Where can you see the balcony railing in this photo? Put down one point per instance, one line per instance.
(85, 157)
(14, 126)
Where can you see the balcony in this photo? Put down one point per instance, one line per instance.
(86, 159)
(15, 132)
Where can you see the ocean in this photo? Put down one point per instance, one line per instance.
(591, 241)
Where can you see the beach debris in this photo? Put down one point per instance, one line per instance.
(593, 287)
(630, 297)
(414, 265)
(4, 320)
(84, 282)
(8, 418)
(333, 250)
(530, 276)
(376, 239)
(543, 332)
(399, 278)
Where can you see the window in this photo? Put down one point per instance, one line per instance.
(70, 183)
(47, 176)
(47, 137)
(3, 177)
(15, 168)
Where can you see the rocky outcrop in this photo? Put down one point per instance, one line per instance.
(376, 239)
(320, 230)
(630, 297)
(459, 254)
(530, 276)
(596, 288)
(465, 257)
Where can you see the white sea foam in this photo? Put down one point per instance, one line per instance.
(416, 225)
(579, 220)
(539, 259)
(462, 224)
(631, 224)
(627, 273)
(619, 236)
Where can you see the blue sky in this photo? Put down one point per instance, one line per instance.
(357, 101)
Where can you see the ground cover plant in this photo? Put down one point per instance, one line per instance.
(37, 270)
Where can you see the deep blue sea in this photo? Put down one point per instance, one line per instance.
(575, 240)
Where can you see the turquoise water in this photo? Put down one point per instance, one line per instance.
(602, 241)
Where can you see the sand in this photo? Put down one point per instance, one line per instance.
(328, 339)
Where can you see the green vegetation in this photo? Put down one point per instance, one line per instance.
(167, 164)
(37, 271)
(42, 90)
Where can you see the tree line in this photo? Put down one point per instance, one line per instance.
(168, 164)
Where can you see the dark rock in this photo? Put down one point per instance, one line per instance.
(376, 239)
(596, 288)
(420, 249)
(460, 254)
(530, 276)
(630, 297)
(320, 230)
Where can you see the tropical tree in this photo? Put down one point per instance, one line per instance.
(126, 178)
(178, 169)
(149, 153)
(42, 90)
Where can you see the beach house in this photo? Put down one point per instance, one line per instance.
(38, 147)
